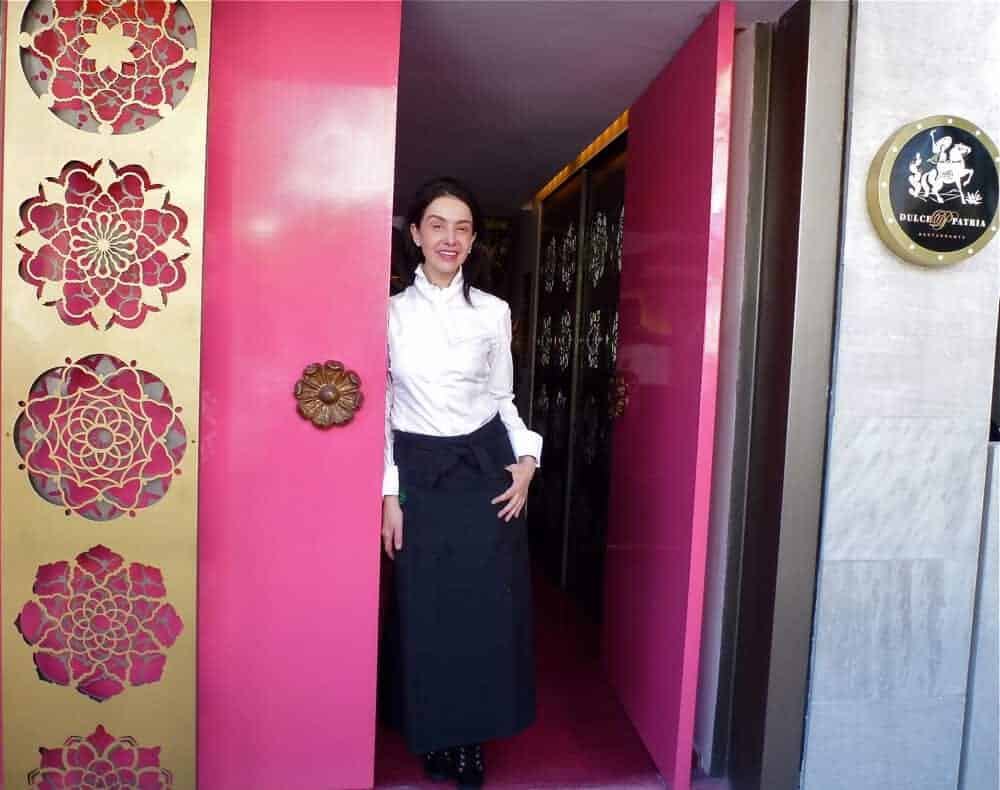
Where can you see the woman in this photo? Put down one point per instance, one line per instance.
(458, 464)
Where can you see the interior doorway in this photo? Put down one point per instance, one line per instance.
(568, 510)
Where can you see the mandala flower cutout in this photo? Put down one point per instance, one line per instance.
(594, 338)
(102, 244)
(98, 624)
(612, 340)
(549, 266)
(565, 342)
(567, 257)
(618, 238)
(108, 66)
(598, 246)
(545, 341)
(100, 438)
(100, 760)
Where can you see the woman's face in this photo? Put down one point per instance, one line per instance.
(445, 236)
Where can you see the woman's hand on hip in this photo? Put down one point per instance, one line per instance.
(517, 494)
(392, 525)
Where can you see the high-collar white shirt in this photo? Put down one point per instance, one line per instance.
(450, 368)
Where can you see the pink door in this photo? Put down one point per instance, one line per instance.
(671, 292)
(301, 137)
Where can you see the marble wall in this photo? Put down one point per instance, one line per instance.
(910, 404)
(981, 750)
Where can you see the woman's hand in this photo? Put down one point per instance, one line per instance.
(392, 525)
(517, 494)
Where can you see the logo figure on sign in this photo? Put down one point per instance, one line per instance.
(946, 167)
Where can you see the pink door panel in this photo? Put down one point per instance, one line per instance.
(671, 289)
(300, 169)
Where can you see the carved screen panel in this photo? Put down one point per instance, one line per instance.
(102, 227)
(554, 353)
(602, 255)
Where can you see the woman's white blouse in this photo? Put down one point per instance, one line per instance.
(450, 368)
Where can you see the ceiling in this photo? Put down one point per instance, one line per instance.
(503, 94)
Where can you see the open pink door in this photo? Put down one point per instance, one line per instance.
(671, 294)
(301, 136)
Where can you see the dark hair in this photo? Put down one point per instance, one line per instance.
(474, 264)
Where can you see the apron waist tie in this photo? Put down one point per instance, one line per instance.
(436, 456)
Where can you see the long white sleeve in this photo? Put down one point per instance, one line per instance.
(390, 477)
(501, 387)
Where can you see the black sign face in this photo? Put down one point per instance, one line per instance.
(933, 190)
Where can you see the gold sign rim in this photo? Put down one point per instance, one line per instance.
(880, 205)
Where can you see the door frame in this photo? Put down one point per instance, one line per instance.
(808, 125)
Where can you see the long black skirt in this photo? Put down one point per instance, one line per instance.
(461, 660)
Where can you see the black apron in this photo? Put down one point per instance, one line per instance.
(464, 666)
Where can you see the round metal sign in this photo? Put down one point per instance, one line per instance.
(932, 190)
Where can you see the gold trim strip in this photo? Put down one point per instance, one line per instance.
(615, 130)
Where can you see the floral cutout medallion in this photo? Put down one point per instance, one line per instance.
(565, 341)
(545, 341)
(108, 66)
(612, 340)
(328, 394)
(98, 624)
(102, 244)
(567, 258)
(549, 266)
(594, 339)
(100, 438)
(100, 760)
(618, 238)
(598, 247)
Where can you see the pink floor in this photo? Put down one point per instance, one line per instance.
(582, 738)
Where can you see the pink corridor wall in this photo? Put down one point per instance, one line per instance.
(299, 194)
(671, 303)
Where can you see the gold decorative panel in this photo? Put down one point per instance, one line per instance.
(105, 111)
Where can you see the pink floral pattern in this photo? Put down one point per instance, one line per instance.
(103, 244)
(98, 624)
(100, 760)
(108, 66)
(100, 438)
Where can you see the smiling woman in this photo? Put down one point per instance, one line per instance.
(462, 664)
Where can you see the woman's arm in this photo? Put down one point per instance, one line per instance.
(527, 445)
(390, 475)
(501, 386)
(392, 513)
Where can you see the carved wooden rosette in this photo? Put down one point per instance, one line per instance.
(328, 394)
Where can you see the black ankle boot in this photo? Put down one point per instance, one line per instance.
(439, 766)
(470, 770)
